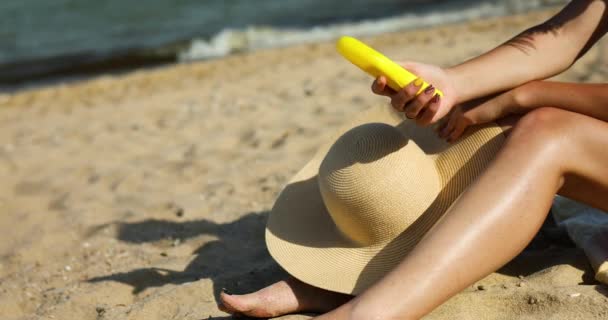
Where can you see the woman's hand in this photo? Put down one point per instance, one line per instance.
(480, 111)
(427, 107)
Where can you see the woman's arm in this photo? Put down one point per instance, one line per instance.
(587, 99)
(537, 53)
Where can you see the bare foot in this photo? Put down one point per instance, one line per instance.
(286, 296)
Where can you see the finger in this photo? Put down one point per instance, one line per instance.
(379, 87)
(426, 116)
(406, 94)
(458, 130)
(398, 100)
(442, 124)
(413, 108)
(383, 87)
(450, 125)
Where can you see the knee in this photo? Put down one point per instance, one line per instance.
(545, 126)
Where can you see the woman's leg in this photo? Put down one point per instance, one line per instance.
(549, 150)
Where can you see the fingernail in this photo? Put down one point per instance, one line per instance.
(429, 89)
(435, 98)
(418, 82)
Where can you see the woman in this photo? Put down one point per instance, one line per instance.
(558, 146)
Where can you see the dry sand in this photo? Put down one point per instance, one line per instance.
(140, 196)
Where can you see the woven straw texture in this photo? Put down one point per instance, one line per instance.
(367, 197)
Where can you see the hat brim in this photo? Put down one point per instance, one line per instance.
(303, 239)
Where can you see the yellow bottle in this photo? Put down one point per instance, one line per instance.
(376, 64)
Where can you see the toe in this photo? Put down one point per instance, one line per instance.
(230, 304)
(222, 307)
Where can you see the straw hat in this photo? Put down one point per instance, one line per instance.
(368, 196)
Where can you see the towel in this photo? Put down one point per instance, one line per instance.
(588, 229)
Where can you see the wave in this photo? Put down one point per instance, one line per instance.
(230, 41)
(195, 30)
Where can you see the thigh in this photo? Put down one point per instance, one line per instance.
(586, 179)
(583, 150)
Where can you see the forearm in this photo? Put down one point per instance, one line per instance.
(587, 99)
(537, 53)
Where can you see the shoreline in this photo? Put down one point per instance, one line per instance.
(93, 45)
(139, 75)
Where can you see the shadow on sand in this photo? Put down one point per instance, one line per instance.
(240, 246)
(237, 260)
(222, 260)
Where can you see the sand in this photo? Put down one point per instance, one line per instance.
(140, 196)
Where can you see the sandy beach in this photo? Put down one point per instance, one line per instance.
(142, 195)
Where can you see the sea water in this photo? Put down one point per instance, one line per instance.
(46, 35)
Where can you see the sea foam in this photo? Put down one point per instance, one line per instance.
(230, 41)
